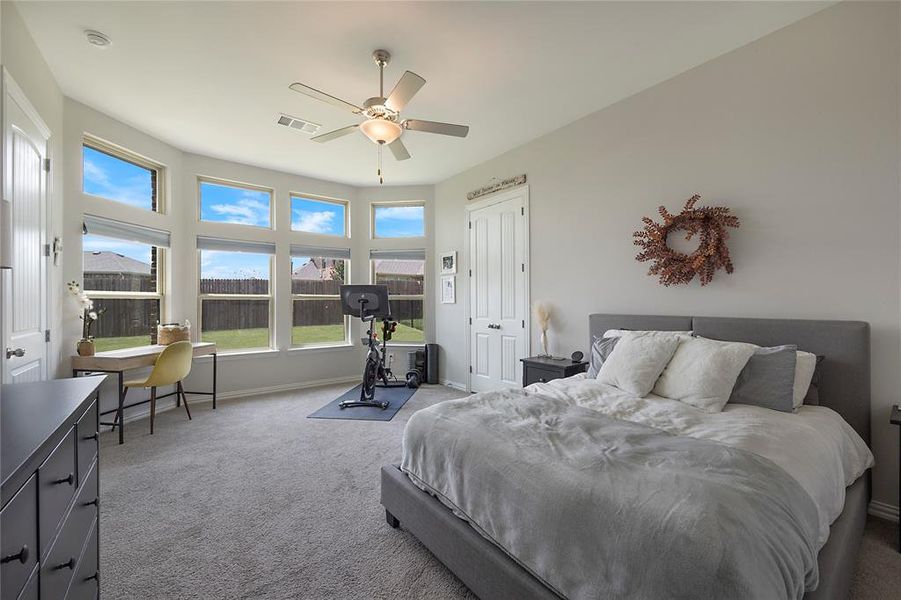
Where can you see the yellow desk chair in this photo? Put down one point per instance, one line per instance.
(171, 367)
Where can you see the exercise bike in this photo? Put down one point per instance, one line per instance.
(370, 303)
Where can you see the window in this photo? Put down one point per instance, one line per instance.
(403, 271)
(318, 216)
(222, 202)
(119, 176)
(122, 275)
(398, 220)
(316, 276)
(235, 293)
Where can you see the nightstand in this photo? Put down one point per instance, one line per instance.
(535, 369)
(896, 420)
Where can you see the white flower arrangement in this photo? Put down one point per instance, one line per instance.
(86, 305)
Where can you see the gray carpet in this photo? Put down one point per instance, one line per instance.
(255, 500)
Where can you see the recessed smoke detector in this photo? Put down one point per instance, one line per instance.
(98, 39)
(303, 125)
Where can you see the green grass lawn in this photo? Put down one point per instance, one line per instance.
(235, 339)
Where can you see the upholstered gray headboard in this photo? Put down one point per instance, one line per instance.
(845, 371)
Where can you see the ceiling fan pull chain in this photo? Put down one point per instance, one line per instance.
(381, 179)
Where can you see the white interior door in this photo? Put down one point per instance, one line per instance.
(23, 289)
(498, 291)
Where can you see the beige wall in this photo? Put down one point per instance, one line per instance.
(797, 133)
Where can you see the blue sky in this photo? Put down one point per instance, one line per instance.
(216, 264)
(399, 221)
(314, 216)
(226, 204)
(96, 243)
(116, 179)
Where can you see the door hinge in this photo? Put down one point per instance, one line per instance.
(523, 323)
(47, 164)
(46, 335)
(470, 368)
(470, 224)
(523, 267)
(470, 272)
(522, 210)
(46, 249)
(470, 320)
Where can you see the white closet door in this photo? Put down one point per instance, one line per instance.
(498, 293)
(23, 290)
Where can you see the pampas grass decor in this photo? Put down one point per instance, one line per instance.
(542, 314)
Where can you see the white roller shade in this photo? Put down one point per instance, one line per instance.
(397, 254)
(125, 231)
(317, 251)
(211, 243)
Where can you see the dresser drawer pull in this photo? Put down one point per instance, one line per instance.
(70, 479)
(22, 556)
(95, 502)
(69, 564)
(94, 436)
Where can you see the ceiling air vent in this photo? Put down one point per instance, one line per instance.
(307, 127)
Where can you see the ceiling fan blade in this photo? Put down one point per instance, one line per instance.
(333, 135)
(314, 93)
(398, 149)
(436, 127)
(405, 89)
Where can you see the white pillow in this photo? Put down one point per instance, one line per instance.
(805, 365)
(702, 372)
(636, 361)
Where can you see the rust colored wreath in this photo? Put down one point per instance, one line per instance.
(673, 268)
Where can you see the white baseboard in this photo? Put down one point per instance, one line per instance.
(453, 384)
(883, 511)
(136, 414)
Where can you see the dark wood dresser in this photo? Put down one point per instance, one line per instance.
(50, 491)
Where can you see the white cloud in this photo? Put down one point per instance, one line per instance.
(402, 213)
(313, 221)
(247, 210)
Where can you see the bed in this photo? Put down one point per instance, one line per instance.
(490, 572)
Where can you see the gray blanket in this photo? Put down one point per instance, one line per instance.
(601, 508)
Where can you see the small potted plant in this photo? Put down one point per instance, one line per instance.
(88, 316)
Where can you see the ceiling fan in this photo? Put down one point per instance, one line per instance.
(383, 124)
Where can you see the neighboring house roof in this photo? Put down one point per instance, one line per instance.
(111, 262)
(400, 267)
(310, 270)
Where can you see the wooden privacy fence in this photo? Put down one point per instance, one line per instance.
(132, 317)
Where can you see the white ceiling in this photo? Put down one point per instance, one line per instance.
(211, 77)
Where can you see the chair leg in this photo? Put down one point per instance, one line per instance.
(152, 407)
(181, 393)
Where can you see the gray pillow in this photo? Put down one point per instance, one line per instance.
(600, 350)
(768, 379)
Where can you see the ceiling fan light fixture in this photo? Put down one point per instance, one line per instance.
(381, 131)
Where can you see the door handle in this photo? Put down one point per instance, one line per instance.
(494, 325)
(19, 352)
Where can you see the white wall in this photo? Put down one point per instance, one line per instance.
(797, 133)
(282, 367)
(26, 66)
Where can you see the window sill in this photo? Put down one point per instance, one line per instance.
(323, 348)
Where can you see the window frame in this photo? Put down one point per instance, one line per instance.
(372, 280)
(159, 294)
(201, 179)
(270, 297)
(347, 334)
(398, 204)
(159, 199)
(326, 200)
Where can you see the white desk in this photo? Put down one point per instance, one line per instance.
(119, 361)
